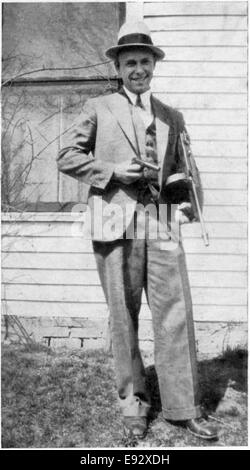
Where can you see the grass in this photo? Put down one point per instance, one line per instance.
(60, 398)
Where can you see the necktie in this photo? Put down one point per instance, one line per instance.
(139, 102)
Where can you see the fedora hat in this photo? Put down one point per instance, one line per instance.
(134, 35)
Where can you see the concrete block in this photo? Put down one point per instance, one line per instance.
(94, 343)
(68, 343)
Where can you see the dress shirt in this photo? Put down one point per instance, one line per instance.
(146, 114)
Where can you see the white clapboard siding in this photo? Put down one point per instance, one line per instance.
(79, 245)
(226, 229)
(225, 197)
(223, 230)
(91, 278)
(192, 22)
(191, 68)
(47, 244)
(223, 165)
(207, 53)
(224, 180)
(218, 133)
(27, 308)
(219, 149)
(79, 261)
(66, 293)
(220, 117)
(199, 84)
(196, 38)
(225, 214)
(204, 75)
(190, 8)
(203, 100)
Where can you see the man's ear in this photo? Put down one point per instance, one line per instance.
(117, 65)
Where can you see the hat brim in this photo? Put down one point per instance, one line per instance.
(113, 52)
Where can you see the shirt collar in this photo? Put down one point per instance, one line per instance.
(145, 97)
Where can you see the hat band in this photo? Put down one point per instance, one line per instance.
(135, 39)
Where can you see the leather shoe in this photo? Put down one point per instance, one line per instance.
(200, 427)
(135, 426)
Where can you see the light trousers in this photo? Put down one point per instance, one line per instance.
(126, 267)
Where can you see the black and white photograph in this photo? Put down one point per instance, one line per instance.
(124, 132)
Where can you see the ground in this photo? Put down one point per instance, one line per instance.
(62, 398)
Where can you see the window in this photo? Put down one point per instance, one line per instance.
(49, 56)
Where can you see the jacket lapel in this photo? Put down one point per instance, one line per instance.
(119, 106)
(162, 132)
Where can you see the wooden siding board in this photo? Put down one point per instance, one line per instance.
(79, 245)
(228, 313)
(218, 262)
(89, 278)
(90, 294)
(223, 8)
(215, 279)
(225, 214)
(217, 230)
(215, 117)
(219, 149)
(55, 309)
(215, 313)
(205, 53)
(232, 246)
(224, 180)
(222, 165)
(192, 68)
(214, 197)
(203, 100)
(47, 244)
(218, 133)
(196, 38)
(79, 261)
(198, 23)
(50, 277)
(229, 229)
(199, 85)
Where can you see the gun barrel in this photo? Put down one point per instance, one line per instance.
(204, 233)
(146, 164)
(190, 177)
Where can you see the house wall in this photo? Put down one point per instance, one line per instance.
(204, 75)
(49, 278)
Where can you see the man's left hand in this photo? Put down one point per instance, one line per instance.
(184, 213)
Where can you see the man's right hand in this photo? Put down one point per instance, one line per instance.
(127, 173)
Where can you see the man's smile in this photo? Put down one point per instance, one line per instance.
(141, 79)
(136, 70)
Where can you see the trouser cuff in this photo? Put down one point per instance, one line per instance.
(181, 414)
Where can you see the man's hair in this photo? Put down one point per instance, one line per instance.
(131, 48)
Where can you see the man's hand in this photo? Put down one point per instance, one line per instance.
(184, 213)
(127, 173)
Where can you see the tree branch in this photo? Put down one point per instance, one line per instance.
(9, 80)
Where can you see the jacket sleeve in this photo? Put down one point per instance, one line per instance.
(77, 158)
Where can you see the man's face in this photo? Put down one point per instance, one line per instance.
(136, 69)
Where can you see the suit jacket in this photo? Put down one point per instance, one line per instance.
(103, 137)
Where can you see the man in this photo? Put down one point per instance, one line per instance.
(116, 129)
